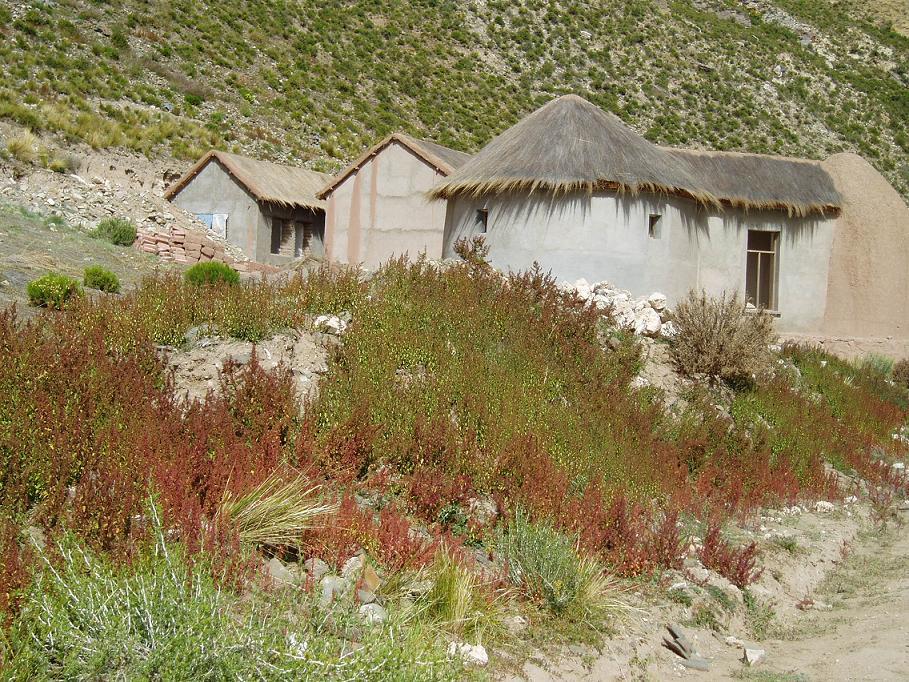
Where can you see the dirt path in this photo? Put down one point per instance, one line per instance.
(863, 636)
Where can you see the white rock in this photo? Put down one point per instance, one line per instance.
(668, 330)
(352, 568)
(823, 507)
(639, 382)
(734, 641)
(373, 614)
(657, 301)
(278, 571)
(316, 568)
(469, 653)
(647, 322)
(753, 656)
(899, 466)
(333, 586)
(330, 323)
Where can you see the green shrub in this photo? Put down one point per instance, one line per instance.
(718, 338)
(117, 231)
(211, 272)
(96, 277)
(545, 564)
(52, 290)
(876, 364)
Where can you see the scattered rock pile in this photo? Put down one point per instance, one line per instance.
(645, 316)
(197, 369)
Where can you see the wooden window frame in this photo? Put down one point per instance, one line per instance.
(762, 255)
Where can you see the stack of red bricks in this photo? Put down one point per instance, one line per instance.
(180, 246)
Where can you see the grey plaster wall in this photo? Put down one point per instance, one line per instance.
(214, 190)
(604, 236)
(381, 211)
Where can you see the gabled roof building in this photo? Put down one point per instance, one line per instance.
(268, 210)
(378, 207)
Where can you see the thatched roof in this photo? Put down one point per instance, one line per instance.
(571, 145)
(444, 160)
(266, 181)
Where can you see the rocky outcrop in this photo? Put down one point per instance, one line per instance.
(645, 316)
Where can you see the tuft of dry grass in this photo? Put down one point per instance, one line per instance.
(276, 512)
(23, 147)
(717, 337)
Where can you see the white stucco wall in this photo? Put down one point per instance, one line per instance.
(214, 190)
(605, 237)
(381, 211)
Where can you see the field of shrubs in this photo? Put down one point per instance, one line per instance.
(477, 455)
(320, 82)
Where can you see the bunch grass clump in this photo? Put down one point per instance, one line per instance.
(719, 338)
(458, 600)
(276, 512)
(53, 290)
(545, 564)
(102, 279)
(117, 231)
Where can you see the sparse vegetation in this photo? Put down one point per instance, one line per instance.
(53, 290)
(117, 231)
(102, 279)
(717, 337)
(211, 272)
(720, 75)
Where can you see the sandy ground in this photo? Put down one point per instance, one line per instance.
(860, 576)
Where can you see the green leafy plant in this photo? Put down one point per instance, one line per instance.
(545, 564)
(97, 277)
(211, 272)
(53, 290)
(118, 231)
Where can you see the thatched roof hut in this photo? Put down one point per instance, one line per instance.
(571, 145)
(268, 182)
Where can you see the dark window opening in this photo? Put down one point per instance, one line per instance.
(761, 269)
(289, 237)
(655, 226)
(482, 220)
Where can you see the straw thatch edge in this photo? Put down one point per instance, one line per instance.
(475, 189)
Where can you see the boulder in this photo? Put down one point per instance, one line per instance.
(278, 572)
(753, 657)
(647, 322)
(333, 587)
(373, 614)
(352, 568)
(316, 568)
(657, 301)
(471, 654)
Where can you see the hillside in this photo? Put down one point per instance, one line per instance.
(315, 83)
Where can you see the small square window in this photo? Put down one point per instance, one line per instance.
(482, 220)
(655, 226)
